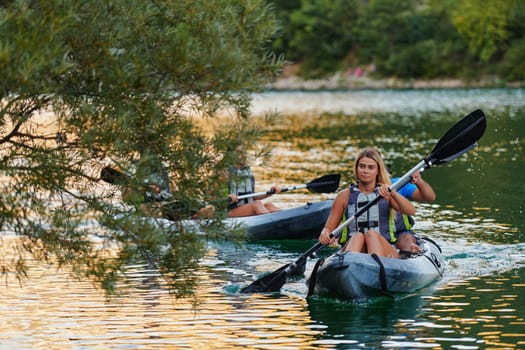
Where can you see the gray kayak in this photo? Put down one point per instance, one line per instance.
(358, 276)
(303, 222)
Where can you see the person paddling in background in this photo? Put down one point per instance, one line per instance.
(420, 191)
(156, 186)
(374, 231)
(153, 197)
(241, 181)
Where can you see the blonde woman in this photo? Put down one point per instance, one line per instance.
(375, 230)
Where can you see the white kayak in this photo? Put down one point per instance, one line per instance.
(357, 276)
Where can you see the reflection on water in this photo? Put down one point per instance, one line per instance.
(477, 218)
(50, 311)
(483, 311)
(381, 323)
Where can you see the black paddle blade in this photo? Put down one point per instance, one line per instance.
(269, 283)
(275, 280)
(459, 139)
(324, 184)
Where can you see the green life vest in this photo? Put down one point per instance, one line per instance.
(378, 217)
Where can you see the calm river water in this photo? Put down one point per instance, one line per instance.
(478, 218)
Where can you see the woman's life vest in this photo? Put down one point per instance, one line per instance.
(241, 182)
(378, 217)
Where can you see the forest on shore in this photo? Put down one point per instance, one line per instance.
(357, 43)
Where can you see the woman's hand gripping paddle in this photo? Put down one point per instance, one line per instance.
(456, 141)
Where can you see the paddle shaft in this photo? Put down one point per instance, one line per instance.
(323, 184)
(286, 189)
(257, 194)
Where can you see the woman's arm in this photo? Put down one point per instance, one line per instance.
(273, 190)
(334, 219)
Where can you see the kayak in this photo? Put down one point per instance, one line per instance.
(361, 276)
(302, 222)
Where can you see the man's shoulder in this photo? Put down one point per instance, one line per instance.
(407, 190)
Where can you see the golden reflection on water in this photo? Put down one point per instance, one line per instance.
(52, 311)
(495, 319)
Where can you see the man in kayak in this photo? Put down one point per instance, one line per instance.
(155, 188)
(375, 231)
(241, 181)
(420, 191)
(153, 197)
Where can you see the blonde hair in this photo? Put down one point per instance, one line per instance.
(383, 177)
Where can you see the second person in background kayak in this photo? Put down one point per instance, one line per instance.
(241, 182)
(420, 191)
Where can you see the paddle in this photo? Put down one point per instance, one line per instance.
(175, 209)
(324, 184)
(456, 141)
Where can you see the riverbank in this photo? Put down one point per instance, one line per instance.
(342, 81)
(302, 103)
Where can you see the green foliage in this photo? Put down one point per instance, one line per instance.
(281, 43)
(385, 50)
(91, 83)
(511, 67)
(322, 34)
(484, 24)
(407, 39)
